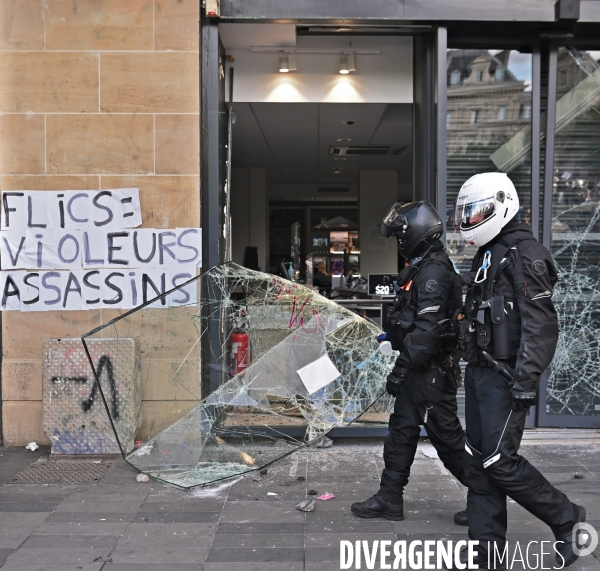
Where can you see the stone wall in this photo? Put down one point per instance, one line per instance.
(94, 94)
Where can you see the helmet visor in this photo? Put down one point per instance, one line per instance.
(472, 213)
(394, 219)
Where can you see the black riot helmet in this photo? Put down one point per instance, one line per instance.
(412, 223)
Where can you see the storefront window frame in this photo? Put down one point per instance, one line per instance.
(545, 419)
(542, 156)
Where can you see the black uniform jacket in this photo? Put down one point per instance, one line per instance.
(525, 276)
(429, 301)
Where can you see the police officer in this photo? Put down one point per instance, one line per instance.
(428, 292)
(509, 337)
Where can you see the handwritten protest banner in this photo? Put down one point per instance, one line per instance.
(74, 250)
(71, 209)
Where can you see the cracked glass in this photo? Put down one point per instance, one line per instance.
(573, 385)
(500, 139)
(287, 365)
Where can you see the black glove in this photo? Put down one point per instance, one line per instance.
(522, 400)
(394, 380)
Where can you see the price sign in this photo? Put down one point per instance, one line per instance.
(382, 284)
(384, 290)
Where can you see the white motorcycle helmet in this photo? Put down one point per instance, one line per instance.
(485, 204)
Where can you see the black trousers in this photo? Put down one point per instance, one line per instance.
(426, 389)
(494, 469)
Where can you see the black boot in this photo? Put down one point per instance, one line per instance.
(460, 518)
(564, 545)
(377, 506)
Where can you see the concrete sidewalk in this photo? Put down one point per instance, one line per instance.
(252, 524)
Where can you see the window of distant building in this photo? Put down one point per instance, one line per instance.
(562, 77)
(499, 74)
(525, 111)
(448, 119)
(478, 75)
(502, 114)
(455, 77)
(474, 116)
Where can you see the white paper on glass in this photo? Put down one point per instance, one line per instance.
(318, 374)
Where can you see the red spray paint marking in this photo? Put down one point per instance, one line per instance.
(295, 313)
(283, 288)
(294, 316)
(318, 325)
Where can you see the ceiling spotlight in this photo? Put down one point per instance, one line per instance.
(349, 122)
(337, 171)
(287, 63)
(343, 140)
(344, 66)
(347, 64)
(284, 64)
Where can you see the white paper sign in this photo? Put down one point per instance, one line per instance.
(60, 290)
(74, 209)
(48, 290)
(98, 248)
(71, 209)
(189, 242)
(318, 374)
(11, 282)
(73, 250)
(121, 208)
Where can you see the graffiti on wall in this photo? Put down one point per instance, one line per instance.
(75, 417)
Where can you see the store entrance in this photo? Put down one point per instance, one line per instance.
(319, 157)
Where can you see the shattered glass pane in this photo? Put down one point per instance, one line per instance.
(282, 355)
(573, 386)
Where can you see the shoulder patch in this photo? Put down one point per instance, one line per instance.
(431, 286)
(539, 267)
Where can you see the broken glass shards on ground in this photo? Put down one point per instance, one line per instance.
(272, 358)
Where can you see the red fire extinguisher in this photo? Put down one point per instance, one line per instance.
(239, 351)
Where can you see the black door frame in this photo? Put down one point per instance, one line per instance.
(213, 123)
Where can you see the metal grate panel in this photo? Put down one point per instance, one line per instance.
(62, 472)
(75, 419)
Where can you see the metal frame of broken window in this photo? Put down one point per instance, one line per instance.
(545, 419)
